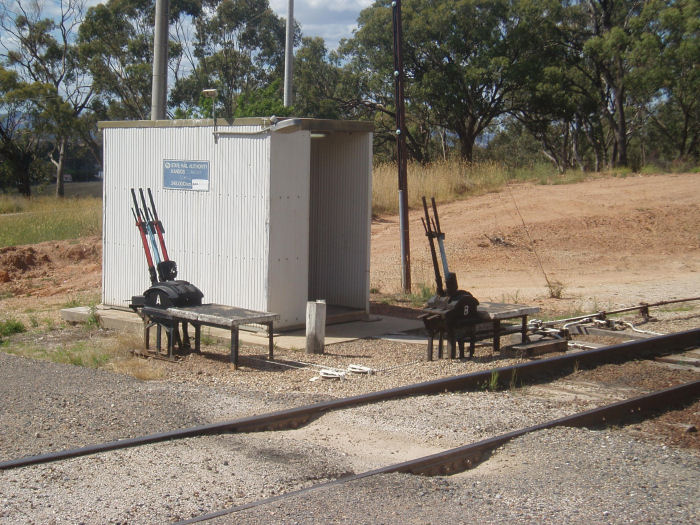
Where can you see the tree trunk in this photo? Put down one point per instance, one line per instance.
(466, 133)
(575, 145)
(551, 153)
(621, 128)
(683, 151)
(443, 143)
(59, 166)
(23, 185)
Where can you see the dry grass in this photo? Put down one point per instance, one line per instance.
(453, 180)
(123, 362)
(90, 354)
(136, 367)
(29, 221)
(111, 353)
(446, 181)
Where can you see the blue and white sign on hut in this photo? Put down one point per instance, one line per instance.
(186, 175)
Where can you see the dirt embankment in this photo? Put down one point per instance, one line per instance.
(607, 241)
(612, 241)
(44, 277)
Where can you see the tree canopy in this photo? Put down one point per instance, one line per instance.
(587, 84)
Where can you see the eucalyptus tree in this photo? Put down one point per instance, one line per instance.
(20, 144)
(317, 76)
(464, 60)
(40, 46)
(602, 36)
(116, 43)
(561, 93)
(667, 57)
(237, 47)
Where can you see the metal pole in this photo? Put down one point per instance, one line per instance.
(159, 90)
(289, 55)
(401, 149)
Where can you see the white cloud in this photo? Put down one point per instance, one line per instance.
(347, 5)
(329, 20)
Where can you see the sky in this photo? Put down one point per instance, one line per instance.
(329, 19)
(332, 20)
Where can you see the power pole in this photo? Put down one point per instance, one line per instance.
(159, 90)
(401, 149)
(289, 55)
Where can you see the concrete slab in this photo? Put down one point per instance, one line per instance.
(127, 321)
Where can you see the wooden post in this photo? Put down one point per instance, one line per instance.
(315, 326)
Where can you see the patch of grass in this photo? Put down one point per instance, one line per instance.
(14, 204)
(112, 353)
(92, 321)
(48, 219)
(81, 354)
(622, 171)
(493, 382)
(11, 326)
(556, 289)
(650, 169)
(123, 362)
(513, 384)
(72, 189)
(73, 302)
(89, 299)
(425, 292)
(418, 298)
(446, 181)
(207, 339)
(675, 309)
(513, 298)
(453, 180)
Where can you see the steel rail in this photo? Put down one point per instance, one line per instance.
(602, 314)
(295, 417)
(465, 457)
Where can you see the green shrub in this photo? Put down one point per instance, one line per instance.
(11, 326)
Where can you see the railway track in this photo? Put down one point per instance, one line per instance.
(513, 375)
(461, 458)
(453, 460)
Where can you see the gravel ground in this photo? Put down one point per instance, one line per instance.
(49, 406)
(548, 477)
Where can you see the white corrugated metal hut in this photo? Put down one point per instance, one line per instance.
(258, 213)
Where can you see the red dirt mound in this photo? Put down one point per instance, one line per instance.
(51, 268)
(20, 259)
